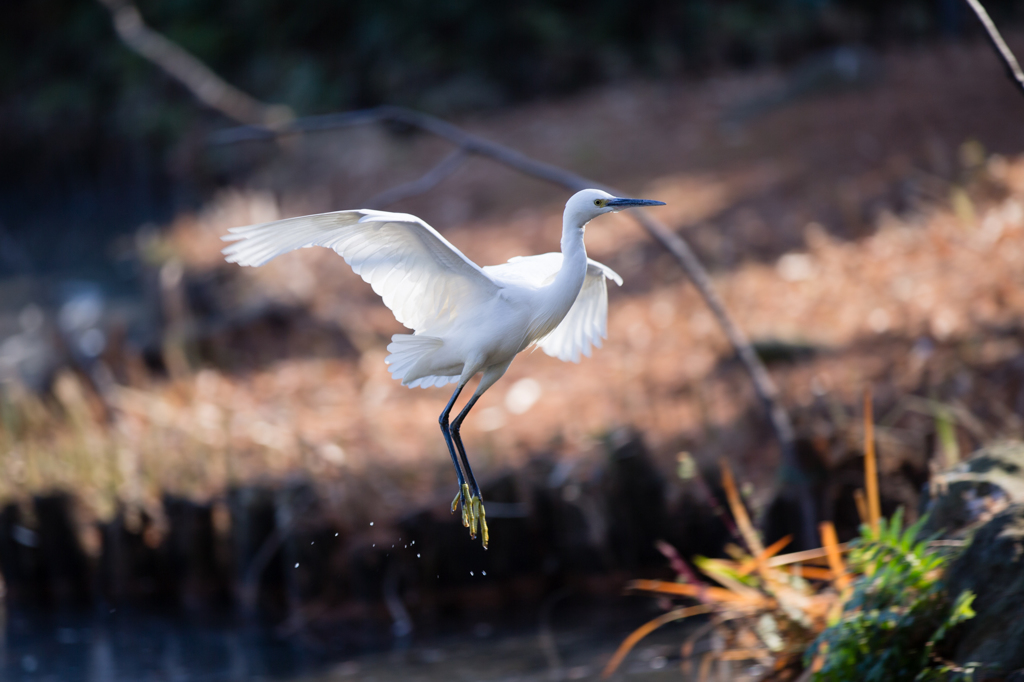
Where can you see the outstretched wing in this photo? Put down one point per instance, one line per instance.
(586, 323)
(422, 278)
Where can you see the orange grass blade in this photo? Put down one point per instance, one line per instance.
(871, 464)
(835, 559)
(806, 555)
(722, 572)
(813, 573)
(739, 512)
(862, 505)
(646, 629)
(743, 654)
(767, 554)
(776, 547)
(718, 594)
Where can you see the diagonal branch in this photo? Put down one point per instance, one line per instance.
(204, 84)
(423, 184)
(1013, 69)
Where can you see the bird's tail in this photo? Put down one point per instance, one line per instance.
(407, 350)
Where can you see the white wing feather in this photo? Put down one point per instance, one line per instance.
(586, 323)
(422, 278)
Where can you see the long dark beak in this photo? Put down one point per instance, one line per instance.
(619, 204)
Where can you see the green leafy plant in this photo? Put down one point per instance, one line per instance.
(897, 614)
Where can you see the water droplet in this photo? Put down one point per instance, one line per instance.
(471, 572)
(335, 535)
(417, 556)
(371, 523)
(483, 572)
(296, 564)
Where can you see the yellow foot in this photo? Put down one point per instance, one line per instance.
(473, 515)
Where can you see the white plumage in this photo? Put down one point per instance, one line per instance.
(585, 325)
(417, 272)
(465, 319)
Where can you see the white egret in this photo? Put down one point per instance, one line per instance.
(465, 319)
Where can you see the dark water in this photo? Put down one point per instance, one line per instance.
(569, 643)
(139, 647)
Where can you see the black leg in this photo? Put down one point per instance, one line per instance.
(457, 437)
(477, 516)
(446, 430)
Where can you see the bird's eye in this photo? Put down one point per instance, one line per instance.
(598, 202)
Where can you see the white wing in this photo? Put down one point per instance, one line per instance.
(586, 323)
(422, 278)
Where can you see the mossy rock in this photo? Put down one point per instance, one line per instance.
(992, 567)
(975, 490)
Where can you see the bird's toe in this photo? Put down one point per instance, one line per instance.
(475, 508)
(474, 516)
(484, 535)
(467, 508)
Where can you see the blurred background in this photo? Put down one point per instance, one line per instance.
(206, 471)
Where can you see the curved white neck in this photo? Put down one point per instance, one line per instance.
(574, 257)
(562, 293)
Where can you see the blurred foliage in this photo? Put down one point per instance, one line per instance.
(898, 614)
(69, 88)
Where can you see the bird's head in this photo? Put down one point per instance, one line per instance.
(587, 204)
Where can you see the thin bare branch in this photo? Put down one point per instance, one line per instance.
(423, 184)
(204, 84)
(1012, 67)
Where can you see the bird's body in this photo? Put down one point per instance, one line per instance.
(465, 319)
